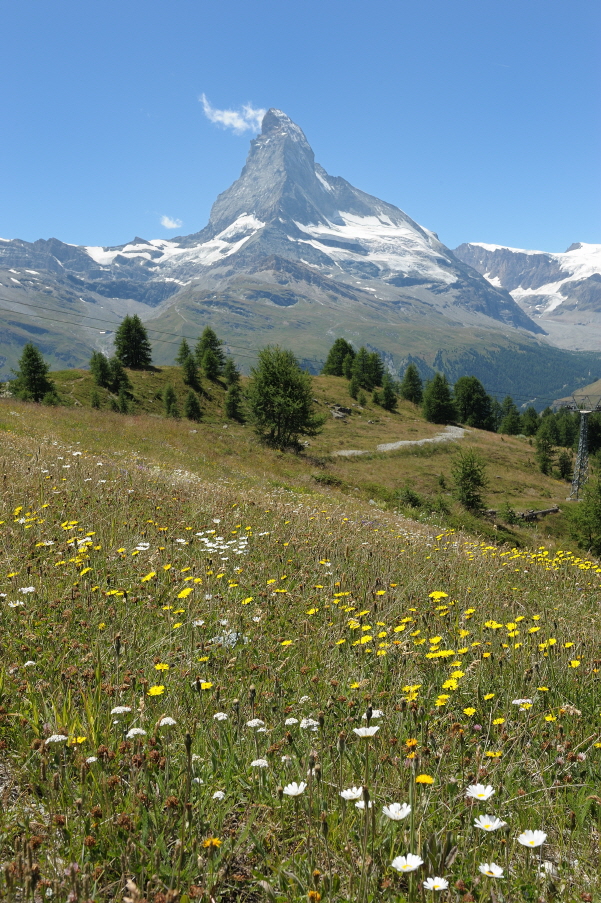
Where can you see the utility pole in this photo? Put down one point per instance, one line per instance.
(581, 467)
(586, 405)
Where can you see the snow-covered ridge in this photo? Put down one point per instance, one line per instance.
(541, 282)
(581, 261)
(394, 247)
(162, 250)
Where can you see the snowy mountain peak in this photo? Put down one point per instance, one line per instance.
(275, 122)
(547, 286)
(287, 233)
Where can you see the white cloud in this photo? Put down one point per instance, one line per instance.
(170, 223)
(248, 118)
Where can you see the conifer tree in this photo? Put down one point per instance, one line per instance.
(375, 368)
(123, 400)
(361, 369)
(530, 421)
(411, 386)
(469, 479)
(100, 369)
(437, 402)
(347, 365)
(118, 378)
(545, 453)
(231, 374)
(388, 397)
(511, 422)
(210, 365)
(95, 399)
(565, 465)
(183, 353)
(280, 399)
(31, 381)
(334, 365)
(190, 372)
(192, 406)
(132, 346)
(233, 402)
(209, 341)
(472, 403)
(170, 401)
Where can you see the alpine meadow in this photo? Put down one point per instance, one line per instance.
(242, 666)
(300, 446)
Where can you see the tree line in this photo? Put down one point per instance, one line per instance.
(278, 397)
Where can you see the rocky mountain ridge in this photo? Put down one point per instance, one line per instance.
(555, 289)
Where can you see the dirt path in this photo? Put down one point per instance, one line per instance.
(449, 434)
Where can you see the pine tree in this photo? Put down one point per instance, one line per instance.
(388, 398)
(340, 350)
(231, 374)
(183, 353)
(95, 399)
(31, 381)
(280, 399)
(437, 402)
(210, 365)
(123, 400)
(565, 465)
(469, 480)
(473, 404)
(411, 386)
(170, 401)
(545, 453)
(347, 365)
(192, 406)
(233, 402)
(209, 340)
(100, 369)
(190, 373)
(511, 422)
(530, 421)
(375, 368)
(361, 370)
(132, 346)
(118, 378)
(353, 387)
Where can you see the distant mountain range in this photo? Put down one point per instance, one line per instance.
(295, 256)
(561, 292)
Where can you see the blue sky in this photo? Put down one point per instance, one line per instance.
(479, 118)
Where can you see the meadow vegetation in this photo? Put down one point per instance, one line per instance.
(227, 676)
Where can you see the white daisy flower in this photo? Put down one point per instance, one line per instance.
(352, 793)
(479, 791)
(397, 811)
(295, 789)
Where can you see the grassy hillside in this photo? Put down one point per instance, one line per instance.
(218, 444)
(194, 630)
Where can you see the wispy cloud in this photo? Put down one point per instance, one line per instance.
(243, 120)
(170, 223)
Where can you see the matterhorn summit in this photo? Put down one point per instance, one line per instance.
(290, 254)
